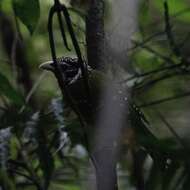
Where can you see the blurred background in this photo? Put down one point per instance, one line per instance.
(41, 142)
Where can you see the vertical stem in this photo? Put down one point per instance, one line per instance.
(105, 158)
(169, 33)
(106, 174)
(15, 49)
(95, 34)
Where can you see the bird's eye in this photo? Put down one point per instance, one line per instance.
(64, 66)
(70, 68)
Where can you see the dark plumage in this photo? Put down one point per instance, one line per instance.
(97, 82)
(69, 66)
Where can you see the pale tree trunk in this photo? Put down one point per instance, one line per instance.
(103, 48)
(121, 26)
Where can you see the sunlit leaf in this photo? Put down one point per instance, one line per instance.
(176, 7)
(145, 61)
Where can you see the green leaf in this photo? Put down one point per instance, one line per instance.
(8, 91)
(28, 12)
(175, 7)
(78, 12)
(1, 3)
(144, 13)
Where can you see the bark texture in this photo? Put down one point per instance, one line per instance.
(95, 34)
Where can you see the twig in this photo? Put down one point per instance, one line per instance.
(59, 75)
(147, 40)
(163, 100)
(17, 163)
(22, 174)
(136, 76)
(168, 31)
(150, 83)
(29, 167)
(177, 14)
(166, 59)
(178, 138)
(31, 92)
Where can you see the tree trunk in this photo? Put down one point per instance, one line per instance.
(95, 34)
(110, 122)
(103, 153)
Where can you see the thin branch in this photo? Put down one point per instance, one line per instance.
(147, 40)
(150, 83)
(59, 75)
(169, 32)
(177, 14)
(31, 92)
(165, 58)
(178, 138)
(22, 174)
(183, 11)
(29, 167)
(17, 163)
(164, 100)
(136, 76)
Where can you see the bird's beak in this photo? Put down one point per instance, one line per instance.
(48, 65)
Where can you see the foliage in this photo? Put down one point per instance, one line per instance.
(9, 92)
(28, 12)
(42, 144)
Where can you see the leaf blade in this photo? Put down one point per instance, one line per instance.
(28, 12)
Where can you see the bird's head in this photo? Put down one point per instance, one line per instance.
(69, 67)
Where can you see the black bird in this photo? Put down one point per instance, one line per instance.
(97, 82)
